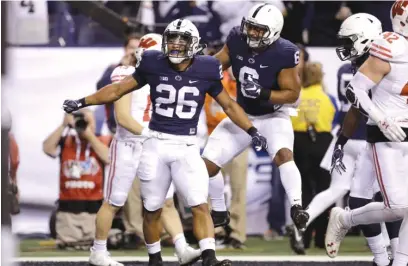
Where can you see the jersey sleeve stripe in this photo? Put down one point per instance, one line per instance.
(381, 47)
(374, 52)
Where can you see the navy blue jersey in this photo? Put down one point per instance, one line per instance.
(178, 97)
(344, 76)
(263, 67)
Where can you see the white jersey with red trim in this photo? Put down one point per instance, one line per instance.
(140, 108)
(391, 94)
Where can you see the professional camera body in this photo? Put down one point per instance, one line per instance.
(80, 122)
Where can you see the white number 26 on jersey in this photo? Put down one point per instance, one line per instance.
(161, 102)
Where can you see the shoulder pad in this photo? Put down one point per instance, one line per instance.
(121, 72)
(289, 52)
(345, 69)
(210, 67)
(233, 36)
(389, 47)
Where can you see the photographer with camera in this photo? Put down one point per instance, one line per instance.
(83, 156)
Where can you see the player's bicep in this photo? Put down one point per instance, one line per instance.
(288, 79)
(223, 57)
(375, 68)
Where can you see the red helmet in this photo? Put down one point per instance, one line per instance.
(399, 17)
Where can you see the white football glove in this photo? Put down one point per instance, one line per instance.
(391, 129)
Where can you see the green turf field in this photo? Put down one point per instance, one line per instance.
(352, 246)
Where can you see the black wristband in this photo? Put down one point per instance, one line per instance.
(81, 103)
(252, 131)
(265, 94)
(342, 140)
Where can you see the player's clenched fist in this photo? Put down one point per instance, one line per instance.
(70, 106)
(258, 141)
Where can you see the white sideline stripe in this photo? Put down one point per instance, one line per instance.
(233, 258)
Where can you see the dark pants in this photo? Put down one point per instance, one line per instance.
(308, 155)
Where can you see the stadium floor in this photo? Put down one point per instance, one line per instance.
(354, 252)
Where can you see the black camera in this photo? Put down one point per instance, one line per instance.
(80, 122)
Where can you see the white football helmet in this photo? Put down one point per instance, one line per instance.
(150, 41)
(264, 18)
(357, 33)
(184, 37)
(399, 17)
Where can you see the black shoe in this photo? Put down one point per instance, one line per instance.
(215, 262)
(220, 218)
(299, 216)
(155, 259)
(295, 239)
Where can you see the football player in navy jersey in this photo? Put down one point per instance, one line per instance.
(179, 80)
(264, 65)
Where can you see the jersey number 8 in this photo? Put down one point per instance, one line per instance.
(181, 101)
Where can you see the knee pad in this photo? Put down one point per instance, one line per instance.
(355, 203)
(117, 199)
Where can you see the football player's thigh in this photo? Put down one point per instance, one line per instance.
(190, 177)
(225, 142)
(278, 131)
(364, 178)
(390, 161)
(122, 171)
(154, 175)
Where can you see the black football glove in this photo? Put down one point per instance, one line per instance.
(253, 90)
(70, 106)
(337, 158)
(258, 141)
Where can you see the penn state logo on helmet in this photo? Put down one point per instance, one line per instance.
(181, 40)
(356, 34)
(262, 26)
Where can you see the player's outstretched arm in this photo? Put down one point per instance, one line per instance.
(370, 74)
(107, 94)
(223, 57)
(240, 118)
(124, 117)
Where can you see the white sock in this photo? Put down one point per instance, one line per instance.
(216, 191)
(291, 181)
(374, 212)
(206, 243)
(153, 248)
(385, 235)
(401, 256)
(322, 201)
(378, 248)
(394, 245)
(99, 245)
(180, 242)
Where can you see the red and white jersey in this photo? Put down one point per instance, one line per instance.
(140, 108)
(391, 94)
